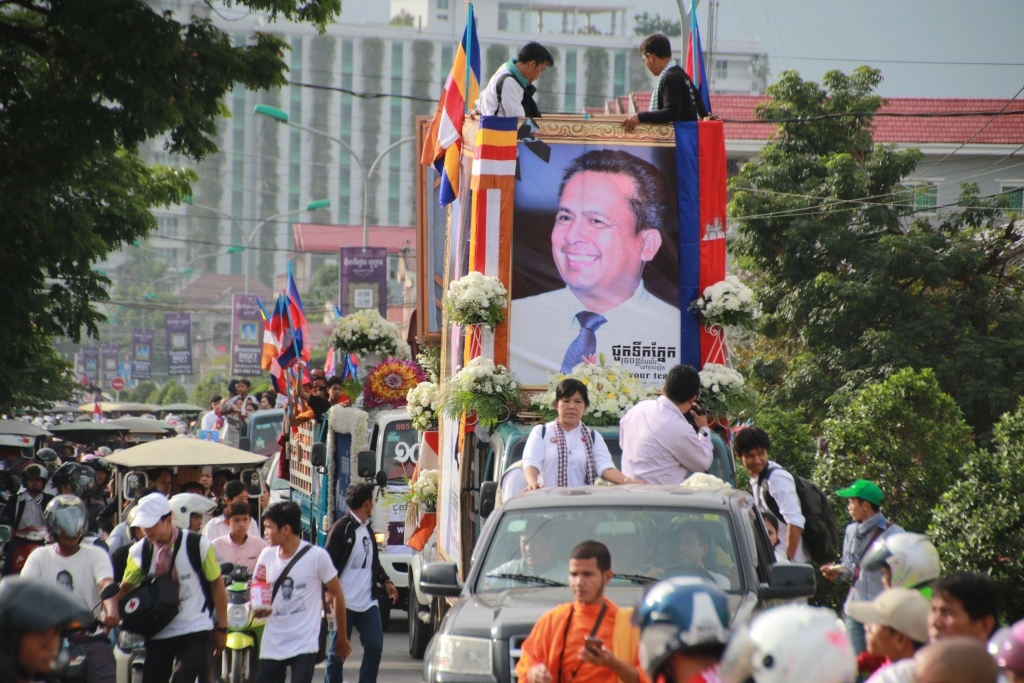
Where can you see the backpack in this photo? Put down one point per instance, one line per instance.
(152, 605)
(530, 108)
(820, 535)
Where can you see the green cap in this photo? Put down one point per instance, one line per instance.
(865, 490)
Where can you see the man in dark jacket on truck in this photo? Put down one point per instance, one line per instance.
(353, 550)
(675, 98)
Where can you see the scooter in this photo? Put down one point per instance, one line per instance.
(241, 651)
(70, 664)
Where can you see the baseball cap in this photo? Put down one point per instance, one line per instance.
(901, 609)
(150, 510)
(865, 490)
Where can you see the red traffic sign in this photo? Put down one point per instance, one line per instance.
(117, 384)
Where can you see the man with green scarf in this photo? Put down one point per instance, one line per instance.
(510, 90)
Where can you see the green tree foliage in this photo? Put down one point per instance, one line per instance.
(172, 392)
(208, 387)
(905, 435)
(403, 18)
(597, 76)
(141, 393)
(645, 24)
(323, 289)
(82, 85)
(853, 285)
(979, 524)
(497, 54)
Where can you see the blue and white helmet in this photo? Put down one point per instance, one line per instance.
(678, 614)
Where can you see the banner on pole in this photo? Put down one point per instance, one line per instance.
(246, 336)
(142, 352)
(179, 343)
(364, 279)
(108, 359)
(92, 364)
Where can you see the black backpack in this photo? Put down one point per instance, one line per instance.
(820, 535)
(152, 605)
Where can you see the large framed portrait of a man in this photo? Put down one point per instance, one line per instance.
(595, 260)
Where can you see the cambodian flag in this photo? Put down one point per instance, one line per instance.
(329, 364)
(296, 322)
(701, 174)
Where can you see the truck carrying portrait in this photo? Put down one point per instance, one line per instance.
(595, 261)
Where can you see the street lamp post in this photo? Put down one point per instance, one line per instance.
(249, 237)
(281, 116)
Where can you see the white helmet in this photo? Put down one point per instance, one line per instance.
(184, 505)
(790, 644)
(911, 558)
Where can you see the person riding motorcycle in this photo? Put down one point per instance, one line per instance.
(47, 457)
(78, 480)
(25, 517)
(189, 511)
(907, 560)
(684, 628)
(101, 496)
(790, 644)
(31, 639)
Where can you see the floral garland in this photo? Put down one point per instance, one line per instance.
(703, 480)
(484, 388)
(389, 381)
(723, 390)
(476, 299)
(365, 332)
(423, 402)
(611, 389)
(345, 420)
(727, 302)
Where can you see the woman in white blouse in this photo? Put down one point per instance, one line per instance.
(565, 452)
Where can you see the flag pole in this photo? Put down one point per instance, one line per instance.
(469, 56)
(697, 66)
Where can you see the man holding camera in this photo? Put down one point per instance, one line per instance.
(659, 443)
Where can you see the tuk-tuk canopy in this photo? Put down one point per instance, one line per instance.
(143, 425)
(181, 408)
(108, 407)
(182, 452)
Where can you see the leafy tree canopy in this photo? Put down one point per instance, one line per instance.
(645, 24)
(853, 284)
(979, 525)
(82, 85)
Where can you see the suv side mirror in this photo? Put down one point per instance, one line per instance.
(441, 579)
(789, 581)
(366, 464)
(318, 455)
(133, 481)
(488, 493)
(245, 444)
(251, 479)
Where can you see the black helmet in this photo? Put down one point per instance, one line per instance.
(34, 471)
(9, 482)
(80, 478)
(65, 515)
(33, 605)
(48, 458)
(99, 464)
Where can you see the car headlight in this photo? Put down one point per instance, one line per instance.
(460, 655)
(128, 641)
(238, 616)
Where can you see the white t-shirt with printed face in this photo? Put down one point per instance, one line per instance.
(293, 627)
(80, 573)
(357, 577)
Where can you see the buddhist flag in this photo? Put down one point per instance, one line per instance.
(443, 145)
(695, 56)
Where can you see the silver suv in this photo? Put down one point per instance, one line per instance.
(520, 565)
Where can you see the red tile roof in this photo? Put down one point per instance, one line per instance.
(1001, 130)
(328, 238)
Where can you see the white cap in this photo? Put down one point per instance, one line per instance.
(901, 609)
(150, 510)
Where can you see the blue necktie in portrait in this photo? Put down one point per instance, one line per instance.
(585, 343)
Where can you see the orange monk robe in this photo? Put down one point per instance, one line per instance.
(547, 645)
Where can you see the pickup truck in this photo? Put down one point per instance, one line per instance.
(505, 593)
(505, 453)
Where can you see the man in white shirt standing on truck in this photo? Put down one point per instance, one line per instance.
(510, 90)
(291, 638)
(659, 445)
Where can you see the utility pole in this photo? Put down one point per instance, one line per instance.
(709, 60)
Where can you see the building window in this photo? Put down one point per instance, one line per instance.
(619, 79)
(721, 69)
(1013, 193)
(442, 5)
(921, 197)
(570, 81)
(167, 225)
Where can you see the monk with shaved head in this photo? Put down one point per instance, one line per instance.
(957, 659)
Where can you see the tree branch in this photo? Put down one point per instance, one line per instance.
(23, 38)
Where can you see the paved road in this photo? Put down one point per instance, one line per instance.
(396, 665)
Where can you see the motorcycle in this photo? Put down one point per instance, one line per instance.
(241, 650)
(70, 664)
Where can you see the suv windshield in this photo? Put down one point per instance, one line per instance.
(531, 548)
(401, 451)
